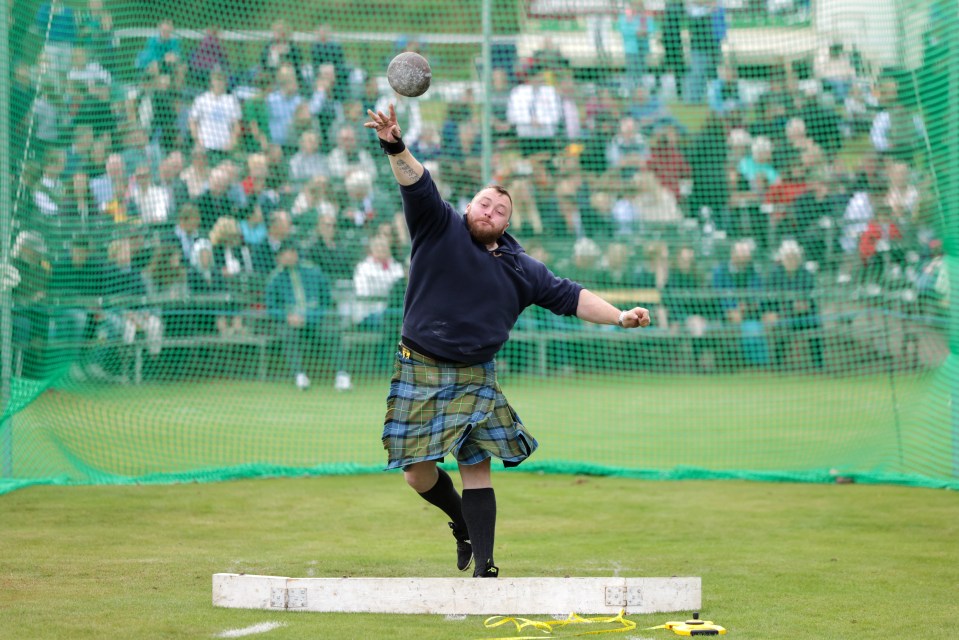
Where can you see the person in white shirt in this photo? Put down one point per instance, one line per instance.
(308, 162)
(150, 199)
(347, 157)
(372, 281)
(215, 117)
(535, 110)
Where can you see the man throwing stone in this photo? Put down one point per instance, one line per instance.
(469, 281)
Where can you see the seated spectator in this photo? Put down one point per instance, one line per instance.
(280, 51)
(253, 226)
(281, 105)
(628, 150)
(722, 92)
(372, 281)
(215, 119)
(794, 310)
(279, 228)
(586, 265)
(757, 166)
(215, 202)
(880, 244)
(326, 108)
(347, 157)
(859, 211)
(148, 199)
(30, 314)
(175, 190)
(313, 200)
(255, 134)
(324, 249)
(525, 220)
(79, 209)
(669, 164)
(299, 302)
(208, 56)
(165, 280)
(96, 34)
(308, 162)
(162, 52)
(902, 198)
(736, 284)
(206, 281)
(328, 52)
(232, 258)
(255, 185)
(186, 231)
(684, 307)
(428, 147)
(125, 316)
(111, 189)
(86, 71)
(653, 271)
(364, 206)
(197, 175)
(895, 131)
(858, 110)
(811, 216)
(834, 66)
(653, 201)
(80, 152)
(49, 192)
(619, 270)
(139, 150)
(535, 111)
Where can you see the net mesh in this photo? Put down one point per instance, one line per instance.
(775, 181)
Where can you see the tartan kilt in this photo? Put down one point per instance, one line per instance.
(437, 409)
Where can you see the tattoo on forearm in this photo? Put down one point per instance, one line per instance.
(407, 170)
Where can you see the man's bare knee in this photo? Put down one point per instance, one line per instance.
(421, 476)
(476, 476)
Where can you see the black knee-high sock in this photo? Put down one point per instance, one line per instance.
(479, 510)
(443, 495)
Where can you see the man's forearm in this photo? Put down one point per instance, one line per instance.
(594, 309)
(406, 169)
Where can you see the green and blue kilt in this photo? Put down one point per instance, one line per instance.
(438, 408)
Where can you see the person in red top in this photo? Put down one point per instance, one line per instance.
(880, 239)
(668, 163)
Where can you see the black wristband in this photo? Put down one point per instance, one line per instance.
(392, 148)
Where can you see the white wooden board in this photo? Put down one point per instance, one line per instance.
(458, 596)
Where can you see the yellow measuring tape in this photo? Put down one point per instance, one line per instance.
(551, 625)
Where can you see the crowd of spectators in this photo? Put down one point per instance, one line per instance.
(192, 178)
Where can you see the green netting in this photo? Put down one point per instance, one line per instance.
(776, 181)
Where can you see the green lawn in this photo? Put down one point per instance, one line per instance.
(630, 423)
(797, 561)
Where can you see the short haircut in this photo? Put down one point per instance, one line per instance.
(502, 191)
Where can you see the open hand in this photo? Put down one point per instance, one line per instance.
(386, 126)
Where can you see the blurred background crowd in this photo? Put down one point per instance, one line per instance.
(181, 191)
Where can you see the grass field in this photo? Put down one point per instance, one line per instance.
(798, 561)
(748, 422)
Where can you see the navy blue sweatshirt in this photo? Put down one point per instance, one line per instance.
(462, 300)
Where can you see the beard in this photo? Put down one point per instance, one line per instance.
(483, 233)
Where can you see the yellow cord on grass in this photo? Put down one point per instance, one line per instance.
(548, 627)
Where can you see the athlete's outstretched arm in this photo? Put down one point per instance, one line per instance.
(406, 169)
(594, 309)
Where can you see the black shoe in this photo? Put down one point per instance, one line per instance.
(491, 571)
(464, 550)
